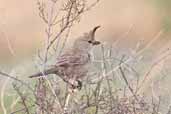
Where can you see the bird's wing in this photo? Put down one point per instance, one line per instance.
(72, 58)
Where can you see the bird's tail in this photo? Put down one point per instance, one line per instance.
(43, 73)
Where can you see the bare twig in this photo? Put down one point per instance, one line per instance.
(127, 83)
(20, 81)
(22, 97)
(20, 110)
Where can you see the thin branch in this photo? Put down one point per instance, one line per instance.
(13, 78)
(22, 97)
(20, 110)
(127, 83)
(67, 103)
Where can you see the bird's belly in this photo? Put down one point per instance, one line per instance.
(76, 72)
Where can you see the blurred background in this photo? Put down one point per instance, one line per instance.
(21, 26)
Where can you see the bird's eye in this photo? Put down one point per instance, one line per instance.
(90, 41)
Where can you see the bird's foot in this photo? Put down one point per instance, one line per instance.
(75, 84)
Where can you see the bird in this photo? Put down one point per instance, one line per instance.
(71, 65)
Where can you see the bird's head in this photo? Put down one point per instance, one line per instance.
(87, 40)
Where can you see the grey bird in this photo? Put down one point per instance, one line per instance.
(71, 66)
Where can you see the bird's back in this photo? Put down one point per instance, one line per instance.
(73, 57)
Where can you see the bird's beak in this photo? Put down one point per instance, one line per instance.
(94, 42)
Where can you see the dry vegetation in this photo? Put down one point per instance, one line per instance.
(107, 90)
